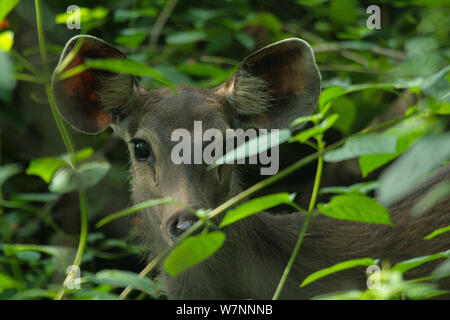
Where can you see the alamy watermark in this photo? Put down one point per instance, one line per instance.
(374, 20)
(374, 278)
(73, 279)
(74, 18)
(206, 147)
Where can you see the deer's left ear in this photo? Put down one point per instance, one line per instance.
(275, 85)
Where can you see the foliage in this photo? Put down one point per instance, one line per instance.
(364, 71)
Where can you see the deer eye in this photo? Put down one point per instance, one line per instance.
(142, 150)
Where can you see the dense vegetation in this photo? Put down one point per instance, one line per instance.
(394, 78)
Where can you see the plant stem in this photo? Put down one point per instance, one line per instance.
(312, 205)
(67, 142)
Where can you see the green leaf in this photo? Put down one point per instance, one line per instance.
(118, 278)
(356, 207)
(317, 130)
(332, 93)
(127, 67)
(336, 268)
(253, 147)
(29, 256)
(6, 6)
(45, 167)
(363, 187)
(14, 249)
(6, 282)
(192, 251)
(407, 173)
(184, 37)
(254, 206)
(361, 145)
(406, 133)
(416, 262)
(83, 154)
(68, 179)
(437, 232)
(6, 40)
(34, 294)
(9, 170)
(133, 209)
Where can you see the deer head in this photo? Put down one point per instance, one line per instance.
(270, 88)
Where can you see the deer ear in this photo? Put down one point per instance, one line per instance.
(275, 85)
(91, 100)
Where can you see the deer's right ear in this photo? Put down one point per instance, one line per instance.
(93, 99)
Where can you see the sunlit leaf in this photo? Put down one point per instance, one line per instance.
(6, 6)
(416, 262)
(356, 207)
(45, 167)
(437, 232)
(254, 206)
(336, 268)
(192, 251)
(6, 40)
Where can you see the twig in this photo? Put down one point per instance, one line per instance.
(160, 22)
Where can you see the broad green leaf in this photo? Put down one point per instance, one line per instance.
(6, 282)
(184, 37)
(254, 146)
(6, 6)
(254, 206)
(406, 133)
(6, 40)
(362, 145)
(45, 167)
(416, 262)
(68, 179)
(437, 232)
(119, 278)
(9, 170)
(410, 169)
(356, 207)
(133, 209)
(192, 251)
(336, 268)
(317, 130)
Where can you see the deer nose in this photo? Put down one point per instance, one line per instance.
(179, 223)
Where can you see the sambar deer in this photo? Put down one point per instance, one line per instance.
(271, 88)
